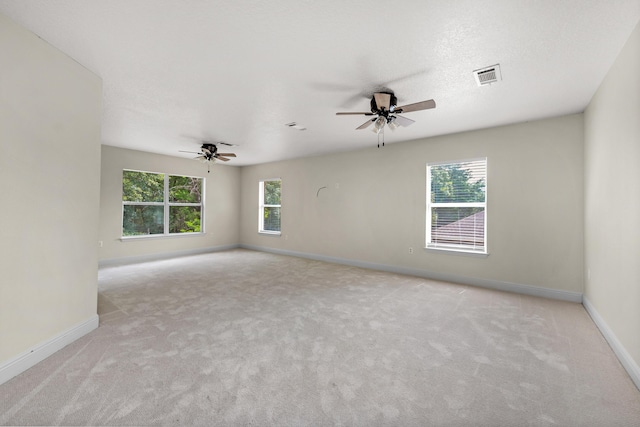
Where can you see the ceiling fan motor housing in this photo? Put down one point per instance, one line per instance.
(209, 150)
(374, 106)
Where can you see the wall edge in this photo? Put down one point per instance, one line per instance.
(17, 365)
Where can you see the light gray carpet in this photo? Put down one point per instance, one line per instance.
(248, 338)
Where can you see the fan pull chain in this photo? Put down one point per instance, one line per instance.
(381, 132)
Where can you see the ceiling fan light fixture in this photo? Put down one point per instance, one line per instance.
(392, 123)
(378, 125)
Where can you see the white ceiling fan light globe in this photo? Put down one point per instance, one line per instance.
(393, 125)
(378, 125)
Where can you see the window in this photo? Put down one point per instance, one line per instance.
(161, 204)
(269, 221)
(456, 206)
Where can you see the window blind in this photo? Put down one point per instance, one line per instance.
(456, 211)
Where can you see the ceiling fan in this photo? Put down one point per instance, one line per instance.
(386, 111)
(209, 152)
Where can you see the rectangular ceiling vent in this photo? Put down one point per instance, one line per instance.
(487, 75)
(295, 125)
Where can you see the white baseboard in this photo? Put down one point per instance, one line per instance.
(165, 255)
(472, 281)
(625, 358)
(29, 358)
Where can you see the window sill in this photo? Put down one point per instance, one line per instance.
(270, 233)
(452, 251)
(159, 236)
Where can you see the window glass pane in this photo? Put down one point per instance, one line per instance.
(185, 189)
(142, 186)
(458, 182)
(141, 220)
(184, 219)
(271, 219)
(272, 192)
(458, 226)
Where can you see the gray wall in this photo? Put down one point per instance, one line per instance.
(612, 203)
(50, 113)
(373, 208)
(222, 205)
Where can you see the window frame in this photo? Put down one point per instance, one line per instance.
(449, 247)
(166, 204)
(262, 205)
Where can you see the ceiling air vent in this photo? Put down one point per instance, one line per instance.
(487, 75)
(295, 125)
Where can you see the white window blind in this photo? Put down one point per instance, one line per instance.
(456, 205)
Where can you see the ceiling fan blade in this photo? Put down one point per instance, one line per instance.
(424, 105)
(351, 114)
(382, 100)
(227, 144)
(403, 121)
(224, 159)
(366, 124)
(190, 152)
(227, 154)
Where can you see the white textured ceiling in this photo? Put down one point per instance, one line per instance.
(237, 71)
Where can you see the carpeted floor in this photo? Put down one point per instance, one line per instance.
(249, 338)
